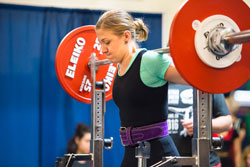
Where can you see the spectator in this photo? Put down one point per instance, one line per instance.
(180, 119)
(80, 144)
(231, 152)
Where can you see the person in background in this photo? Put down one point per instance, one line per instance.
(140, 86)
(80, 144)
(180, 119)
(246, 157)
(231, 152)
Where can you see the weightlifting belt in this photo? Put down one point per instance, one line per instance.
(131, 136)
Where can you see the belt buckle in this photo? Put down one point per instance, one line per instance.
(128, 133)
(122, 129)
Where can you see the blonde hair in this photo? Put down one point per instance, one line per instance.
(119, 21)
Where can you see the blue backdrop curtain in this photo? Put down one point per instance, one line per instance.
(37, 117)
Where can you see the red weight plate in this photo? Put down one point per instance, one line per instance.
(182, 49)
(72, 58)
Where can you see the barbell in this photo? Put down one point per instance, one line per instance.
(208, 43)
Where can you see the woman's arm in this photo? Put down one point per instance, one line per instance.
(222, 123)
(219, 124)
(173, 75)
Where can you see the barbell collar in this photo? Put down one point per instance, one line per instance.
(217, 43)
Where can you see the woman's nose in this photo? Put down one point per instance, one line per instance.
(104, 49)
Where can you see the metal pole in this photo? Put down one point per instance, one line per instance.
(142, 153)
(202, 127)
(96, 118)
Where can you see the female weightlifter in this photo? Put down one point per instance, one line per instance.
(140, 87)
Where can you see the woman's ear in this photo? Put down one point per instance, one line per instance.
(127, 35)
(77, 140)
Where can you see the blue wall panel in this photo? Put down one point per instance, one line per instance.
(37, 117)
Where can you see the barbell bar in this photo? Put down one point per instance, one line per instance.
(228, 40)
(206, 46)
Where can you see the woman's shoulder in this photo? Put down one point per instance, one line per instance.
(151, 54)
(153, 57)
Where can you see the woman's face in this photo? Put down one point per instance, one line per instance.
(113, 46)
(83, 144)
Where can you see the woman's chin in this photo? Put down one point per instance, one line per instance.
(112, 60)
